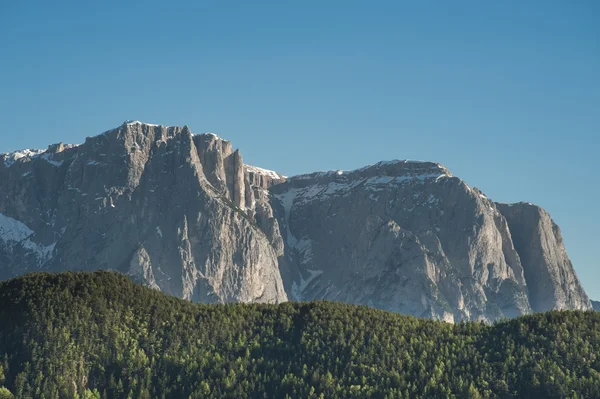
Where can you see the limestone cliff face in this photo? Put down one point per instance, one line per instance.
(185, 215)
(156, 202)
(402, 236)
(410, 237)
(551, 279)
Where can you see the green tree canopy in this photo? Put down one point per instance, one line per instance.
(98, 335)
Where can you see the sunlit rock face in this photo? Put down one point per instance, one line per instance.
(157, 202)
(183, 213)
(402, 236)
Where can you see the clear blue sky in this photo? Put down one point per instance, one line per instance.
(504, 93)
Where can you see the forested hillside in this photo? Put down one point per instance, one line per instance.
(98, 335)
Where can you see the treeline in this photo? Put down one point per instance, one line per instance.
(98, 335)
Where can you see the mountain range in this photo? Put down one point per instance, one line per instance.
(183, 213)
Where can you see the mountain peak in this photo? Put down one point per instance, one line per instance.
(136, 122)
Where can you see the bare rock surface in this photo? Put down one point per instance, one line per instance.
(153, 201)
(552, 282)
(183, 213)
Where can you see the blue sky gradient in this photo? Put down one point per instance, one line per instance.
(504, 93)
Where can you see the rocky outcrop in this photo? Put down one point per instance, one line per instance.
(551, 279)
(184, 214)
(156, 202)
(596, 306)
(402, 236)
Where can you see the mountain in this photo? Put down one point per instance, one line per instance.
(152, 201)
(183, 213)
(96, 335)
(596, 306)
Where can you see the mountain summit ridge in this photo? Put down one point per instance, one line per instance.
(183, 213)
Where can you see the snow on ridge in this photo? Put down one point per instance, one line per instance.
(141, 123)
(212, 135)
(323, 190)
(425, 165)
(511, 204)
(401, 161)
(265, 172)
(396, 161)
(11, 157)
(136, 122)
(28, 154)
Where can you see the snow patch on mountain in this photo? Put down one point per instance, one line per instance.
(407, 167)
(213, 135)
(265, 172)
(321, 191)
(48, 158)
(14, 232)
(11, 157)
(141, 123)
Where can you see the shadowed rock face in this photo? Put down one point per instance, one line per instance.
(551, 279)
(184, 214)
(596, 306)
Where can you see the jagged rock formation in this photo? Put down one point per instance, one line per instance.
(156, 202)
(183, 213)
(403, 236)
(550, 276)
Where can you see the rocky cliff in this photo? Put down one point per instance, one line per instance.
(183, 213)
(551, 279)
(402, 236)
(157, 202)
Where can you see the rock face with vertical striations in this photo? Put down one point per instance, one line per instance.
(403, 236)
(156, 202)
(552, 282)
(184, 214)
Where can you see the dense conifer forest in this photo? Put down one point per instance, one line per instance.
(98, 335)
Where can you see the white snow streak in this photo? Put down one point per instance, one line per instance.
(11, 157)
(14, 232)
(265, 172)
(141, 123)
